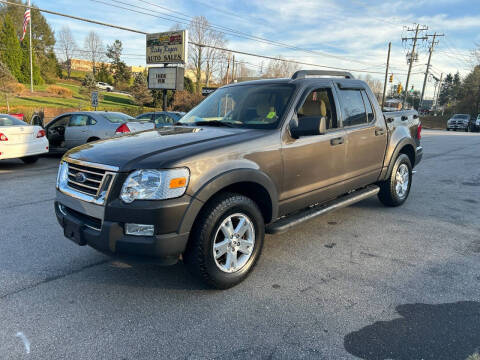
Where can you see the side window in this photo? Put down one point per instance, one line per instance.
(319, 103)
(368, 106)
(63, 121)
(78, 120)
(353, 108)
(159, 119)
(91, 121)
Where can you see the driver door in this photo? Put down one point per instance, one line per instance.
(314, 165)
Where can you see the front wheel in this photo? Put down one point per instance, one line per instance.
(395, 190)
(226, 241)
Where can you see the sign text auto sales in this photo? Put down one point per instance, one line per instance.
(167, 47)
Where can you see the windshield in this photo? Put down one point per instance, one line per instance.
(7, 120)
(460, 116)
(258, 106)
(118, 117)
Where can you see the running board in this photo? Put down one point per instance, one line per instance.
(290, 221)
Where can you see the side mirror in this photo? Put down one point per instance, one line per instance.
(294, 127)
(310, 126)
(404, 118)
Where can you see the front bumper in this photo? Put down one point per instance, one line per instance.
(102, 227)
(461, 126)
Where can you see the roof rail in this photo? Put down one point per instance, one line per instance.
(302, 74)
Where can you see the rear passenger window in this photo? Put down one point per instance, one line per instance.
(368, 106)
(353, 108)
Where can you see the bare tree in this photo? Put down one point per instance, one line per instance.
(280, 68)
(94, 49)
(67, 46)
(375, 85)
(203, 59)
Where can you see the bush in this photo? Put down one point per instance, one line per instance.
(185, 101)
(16, 88)
(60, 91)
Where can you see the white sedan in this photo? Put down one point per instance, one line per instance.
(21, 140)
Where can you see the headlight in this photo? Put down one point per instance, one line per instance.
(62, 176)
(155, 184)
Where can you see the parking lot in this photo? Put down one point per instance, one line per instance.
(364, 282)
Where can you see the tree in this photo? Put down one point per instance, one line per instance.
(10, 52)
(280, 68)
(94, 49)
(204, 60)
(67, 46)
(89, 82)
(6, 78)
(103, 74)
(140, 91)
(121, 72)
(446, 90)
(43, 41)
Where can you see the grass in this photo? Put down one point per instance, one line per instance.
(40, 99)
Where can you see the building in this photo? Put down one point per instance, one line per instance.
(86, 66)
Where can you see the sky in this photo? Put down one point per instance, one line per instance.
(348, 34)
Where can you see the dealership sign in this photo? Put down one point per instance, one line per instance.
(167, 78)
(167, 47)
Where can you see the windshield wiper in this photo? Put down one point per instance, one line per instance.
(214, 123)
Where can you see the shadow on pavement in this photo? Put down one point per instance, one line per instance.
(441, 332)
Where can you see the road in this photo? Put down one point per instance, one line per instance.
(365, 282)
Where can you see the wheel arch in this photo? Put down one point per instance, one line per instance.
(248, 182)
(404, 146)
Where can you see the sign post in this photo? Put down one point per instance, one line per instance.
(95, 99)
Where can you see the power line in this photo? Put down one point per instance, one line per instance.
(193, 43)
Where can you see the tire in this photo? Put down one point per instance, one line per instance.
(199, 257)
(30, 159)
(92, 139)
(391, 192)
(448, 129)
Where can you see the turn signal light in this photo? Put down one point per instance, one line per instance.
(3, 137)
(178, 183)
(41, 133)
(122, 129)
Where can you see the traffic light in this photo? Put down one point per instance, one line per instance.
(399, 89)
(391, 78)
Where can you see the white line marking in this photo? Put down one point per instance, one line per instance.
(22, 336)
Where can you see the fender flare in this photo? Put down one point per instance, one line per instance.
(221, 181)
(401, 144)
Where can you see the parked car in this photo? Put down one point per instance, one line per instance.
(162, 118)
(21, 140)
(104, 86)
(461, 122)
(77, 128)
(252, 158)
(477, 123)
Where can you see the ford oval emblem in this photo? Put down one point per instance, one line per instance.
(80, 177)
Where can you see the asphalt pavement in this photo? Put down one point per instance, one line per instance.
(365, 282)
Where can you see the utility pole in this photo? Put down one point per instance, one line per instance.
(438, 91)
(386, 74)
(228, 69)
(417, 29)
(233, 69)
(31, 64)
(434, 36)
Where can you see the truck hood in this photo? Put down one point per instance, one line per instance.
(130, 151)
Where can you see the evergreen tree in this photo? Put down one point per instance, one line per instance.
(103, 74)
(25, 67)
(10, 52)
(140, 91)
(121, 72)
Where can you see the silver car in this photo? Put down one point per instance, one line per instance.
(77, 128)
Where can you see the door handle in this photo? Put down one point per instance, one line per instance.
(337, 141)
(379, 132)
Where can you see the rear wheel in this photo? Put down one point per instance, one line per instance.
(395, 190)
(30, 159)
(226, 241)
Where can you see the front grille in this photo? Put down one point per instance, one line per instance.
(85, 179)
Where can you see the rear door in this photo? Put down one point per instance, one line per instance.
(76, 132)
(366, 136)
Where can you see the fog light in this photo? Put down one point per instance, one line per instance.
(139, 229)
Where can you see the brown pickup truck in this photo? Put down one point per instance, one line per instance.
(253, 158)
